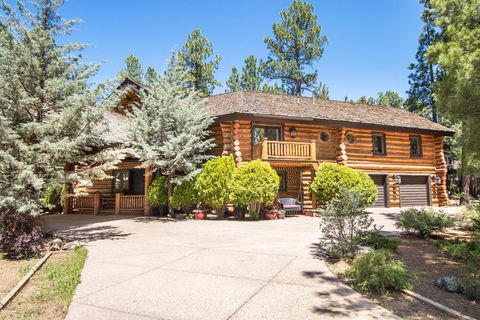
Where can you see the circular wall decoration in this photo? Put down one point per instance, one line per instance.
(324, 136)
(351, 138)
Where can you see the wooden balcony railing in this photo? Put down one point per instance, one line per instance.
(283, 150)
(130, 203)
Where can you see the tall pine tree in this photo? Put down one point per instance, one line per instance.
(133, 70)
(47, 116)
(249, 80)
(424, 72)
(296, 44)
(197, 59)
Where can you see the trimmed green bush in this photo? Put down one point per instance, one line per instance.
(424, 221)
(157, 192)
(375, 240)
(215, 182)
(331, 178)
(185, 195)
(255, 184)
(377, 271)
(53, 196)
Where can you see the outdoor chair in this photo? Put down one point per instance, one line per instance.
(290, 205)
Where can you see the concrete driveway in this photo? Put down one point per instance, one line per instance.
(149, 268)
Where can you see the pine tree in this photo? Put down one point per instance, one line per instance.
(389, 99)
(133, 70)
(296, 44)
(321, 91)
(47, 119)
(424, 72)
(197, 59)
(364, 100)
(151, 75)
(251, 77)
(169, 132)
(234, 83)
(457, 92)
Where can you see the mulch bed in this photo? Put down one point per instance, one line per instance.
(429, 264)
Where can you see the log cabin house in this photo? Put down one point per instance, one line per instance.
(402, 152)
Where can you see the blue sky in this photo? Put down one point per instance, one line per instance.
(370, 43)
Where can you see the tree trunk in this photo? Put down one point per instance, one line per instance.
(298, 87)
(169, 194)
(466, 182)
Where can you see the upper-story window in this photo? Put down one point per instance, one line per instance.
(415, 146)
(262, 132)
(379, 144)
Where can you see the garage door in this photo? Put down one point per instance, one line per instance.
(414, 191)
(381, 195)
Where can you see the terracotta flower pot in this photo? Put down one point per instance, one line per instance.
(200, 214)
(270, 215)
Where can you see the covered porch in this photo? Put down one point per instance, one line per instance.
(124, 193)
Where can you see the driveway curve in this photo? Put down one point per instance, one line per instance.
(150, 268)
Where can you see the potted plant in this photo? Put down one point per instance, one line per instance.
(157, 196)
(200, 213)
(270, 213)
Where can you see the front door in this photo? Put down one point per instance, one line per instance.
(129, 182)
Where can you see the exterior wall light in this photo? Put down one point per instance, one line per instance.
(293, 132)
(398, 179)
(438, 180)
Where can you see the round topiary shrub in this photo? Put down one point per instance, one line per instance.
(331, 179)
(157, 192)
(255, 184)
(214, 183)
(185, 195)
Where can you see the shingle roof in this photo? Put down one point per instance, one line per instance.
(266, 104)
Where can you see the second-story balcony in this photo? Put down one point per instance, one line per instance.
(285, 150)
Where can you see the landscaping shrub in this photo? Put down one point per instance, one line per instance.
(341, 223)
(53, 196)
(19, 237)
(374, 239)
(377, 271)
(157, 192)
(331, 179)
(214, 183)
(472, 213)
(185, 195)
(254, 215)
(423, 221)
(255, 184)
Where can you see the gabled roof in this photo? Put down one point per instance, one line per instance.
(239, 104)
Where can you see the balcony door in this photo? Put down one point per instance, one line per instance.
(262, 132)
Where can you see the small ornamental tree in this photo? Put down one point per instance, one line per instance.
(215, 183)
(332, 178)
(185, 195)
(157, 192)
(255, 184)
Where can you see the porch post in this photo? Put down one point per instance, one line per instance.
(265, 149)
(117, 202)
(148, 182)
(96, 203)
(67, 191)
(313, 150)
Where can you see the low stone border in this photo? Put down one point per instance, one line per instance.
(437, 305)
(24, 280)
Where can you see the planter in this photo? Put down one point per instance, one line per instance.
(200, 214)
(280, 214)
(157, 211)
(270, 215)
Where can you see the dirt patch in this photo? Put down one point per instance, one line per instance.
(429, 264)
(36, 300)
(11, 271)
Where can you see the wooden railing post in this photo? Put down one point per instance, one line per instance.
(96, 203)
(265, 149)
(313, 150)
(148, 182)
(117, 202)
